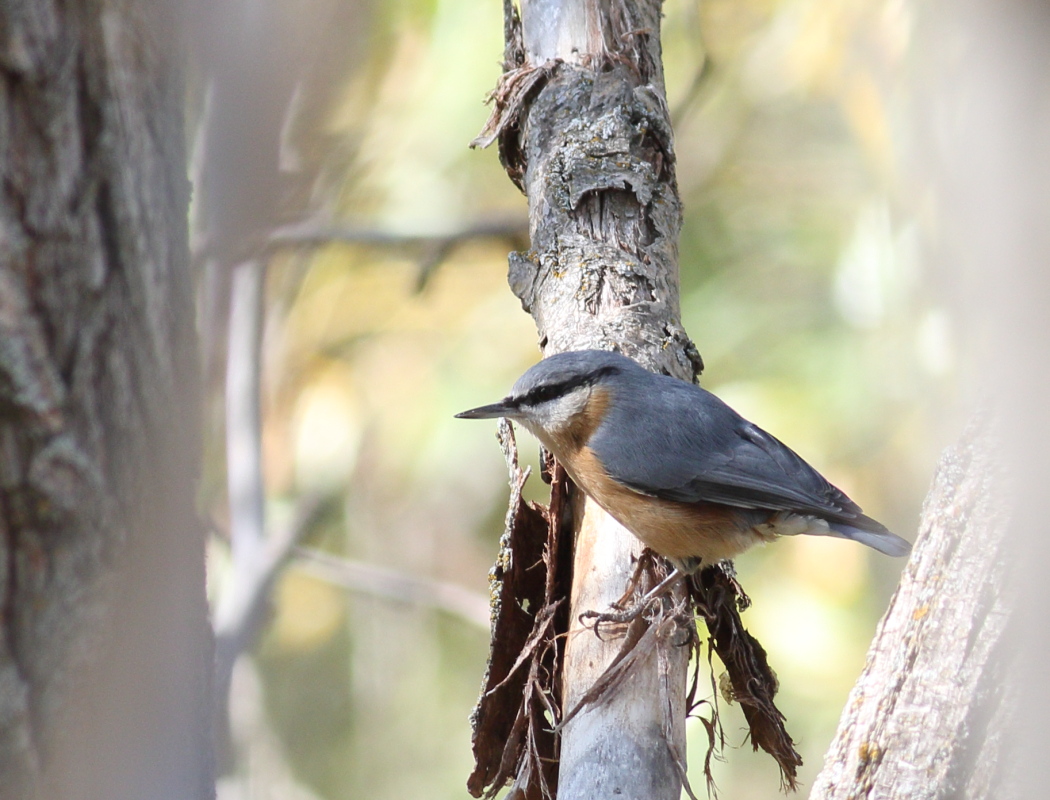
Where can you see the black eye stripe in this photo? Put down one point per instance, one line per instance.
(549, 391)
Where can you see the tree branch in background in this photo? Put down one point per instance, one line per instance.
(244, 476)
(397, 587)
(243, 606)
(256, 558)
(433, 248)
(701, 79)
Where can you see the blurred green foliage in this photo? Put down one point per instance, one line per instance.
(802, 285)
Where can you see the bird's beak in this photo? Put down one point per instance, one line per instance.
(502, 409)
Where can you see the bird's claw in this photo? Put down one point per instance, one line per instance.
(616, 617)
(623, 616)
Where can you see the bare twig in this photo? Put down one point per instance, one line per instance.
(243, 603)
(242, 608)
(701, 78)
(237, 606)
(243, 418)
(433, 248)
(256, 557)
(396, 586)
(316, 234)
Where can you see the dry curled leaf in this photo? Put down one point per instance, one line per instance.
(513, 722)
(718, 599)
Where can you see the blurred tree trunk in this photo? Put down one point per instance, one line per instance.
(953, 701)
(105, 652)
(584, 130)
(930, 713)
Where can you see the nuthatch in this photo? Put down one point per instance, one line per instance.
(673, 464)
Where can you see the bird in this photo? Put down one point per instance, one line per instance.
(675, 465)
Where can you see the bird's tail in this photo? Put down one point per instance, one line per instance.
(882, 540)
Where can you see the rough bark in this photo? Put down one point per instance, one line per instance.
(928, 716)
(597, 155)
(104, 648)
(584, 130)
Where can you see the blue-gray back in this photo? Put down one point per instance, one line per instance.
(674, 440)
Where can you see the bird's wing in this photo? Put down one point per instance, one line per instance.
(758, 471)
(712, 455)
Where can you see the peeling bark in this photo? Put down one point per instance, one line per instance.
(719, 599)
(583, 129)
(104, 653)
(603, 272)
(512, 736)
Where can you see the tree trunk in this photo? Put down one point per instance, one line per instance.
(584, 130)
(104, 645)
(953, 701)
(930, 710)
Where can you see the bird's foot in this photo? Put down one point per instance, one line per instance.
(645, 565)
(623, 616)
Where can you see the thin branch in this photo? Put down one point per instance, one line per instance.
(256, 557)
(434, 247)
(243, 603)
(316, 234)
(242, 608)
(398, 587)
(243, 416)
(701, 78)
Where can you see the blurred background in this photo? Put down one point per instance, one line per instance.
(331, 168)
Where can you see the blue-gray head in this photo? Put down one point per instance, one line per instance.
(551, 395)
